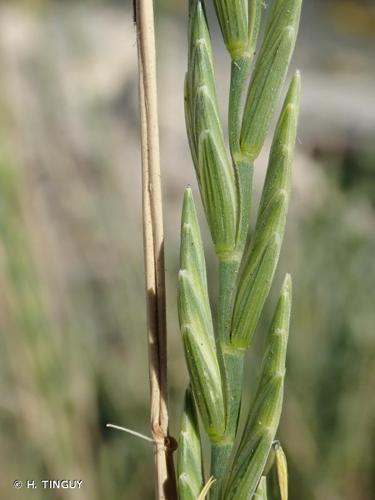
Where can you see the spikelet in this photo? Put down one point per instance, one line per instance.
(196, 324)
(269, 74)
(263, 420)
(212, 164)
(262, 258)
(239, 22)
(189, 460)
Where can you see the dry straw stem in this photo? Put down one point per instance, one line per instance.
(165, 484)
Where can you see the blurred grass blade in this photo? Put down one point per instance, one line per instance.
(189, 460)
(196, 324)
(264, 416)
(261, 260)
(261, 491)
(269, 74)
(212, 164)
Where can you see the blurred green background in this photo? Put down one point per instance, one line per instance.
(73, 353)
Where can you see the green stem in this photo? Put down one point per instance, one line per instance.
(228, 271)
(232, 361)
(234, 365)
(220, 454)
(221, 451)
(240, 71)
(229, 267)
(244, 174)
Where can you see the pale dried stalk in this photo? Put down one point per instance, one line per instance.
(154, 250)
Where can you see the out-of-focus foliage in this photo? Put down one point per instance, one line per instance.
(329, 426)
(72, 324)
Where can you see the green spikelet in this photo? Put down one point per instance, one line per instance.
(189, 460)
(261, 260)
(196, 324)
(269, 74)
(263, 420)
(237, 19)
(233, 19)
(212, 164)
